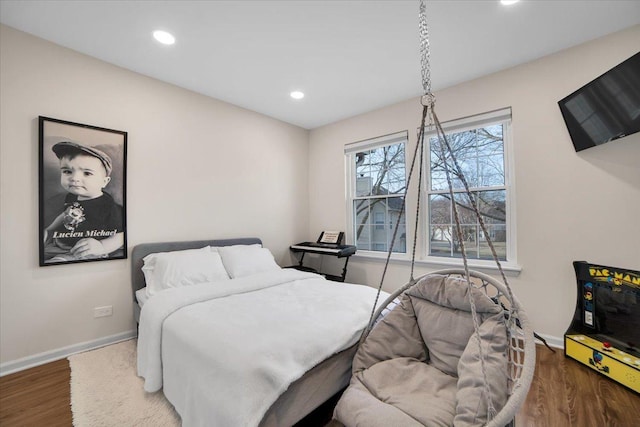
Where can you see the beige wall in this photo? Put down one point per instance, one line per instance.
(569, 206)
(197, 168)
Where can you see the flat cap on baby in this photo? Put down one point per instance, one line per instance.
(65, 148)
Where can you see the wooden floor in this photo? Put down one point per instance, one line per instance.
(38, 396)
(564, 393)
(567, 393)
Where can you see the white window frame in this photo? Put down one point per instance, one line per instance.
(350, 151)
(502, 116)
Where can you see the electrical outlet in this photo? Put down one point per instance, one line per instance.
(105, 311)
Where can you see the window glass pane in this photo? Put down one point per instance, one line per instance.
(363, 239)
(466, 214)
(386, 212)
(396, 186)
(480, 156)
(362, 212)
(375, 222)
(363, 185)
(394, 207)
(380, 171)
(395, 179)
(377, 176)
(479, 153)
(438, 176)
(464, 149)
(492, 206)
(380, 247)
(469, 168)
(380, 185)
(490, 140)
(438, 180)
(440, 209)
(363, 174)
(470, 236)
(379, 218)
(362, 158)
(378, 156)
(498, 235)
(491, 170)
(400, 245)
(440, 240)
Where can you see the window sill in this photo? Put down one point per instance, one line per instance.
(484, 266)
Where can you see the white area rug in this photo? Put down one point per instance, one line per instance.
(105, 391)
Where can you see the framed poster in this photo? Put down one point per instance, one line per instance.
(82, 189)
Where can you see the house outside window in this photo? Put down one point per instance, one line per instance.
(480, 144)
(376, 171)
(379, 218)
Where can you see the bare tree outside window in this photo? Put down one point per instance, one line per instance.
(480, 154)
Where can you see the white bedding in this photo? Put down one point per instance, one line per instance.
(225, 351)
(142, 296)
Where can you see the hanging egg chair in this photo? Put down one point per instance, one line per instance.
(450, 348)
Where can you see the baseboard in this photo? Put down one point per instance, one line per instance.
(61, 353)
(552, 341)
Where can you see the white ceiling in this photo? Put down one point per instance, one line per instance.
(349, 57)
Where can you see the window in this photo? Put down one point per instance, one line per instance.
(376, 192)
(479, 144)
(379, 220)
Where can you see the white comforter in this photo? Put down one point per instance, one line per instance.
(227, 350)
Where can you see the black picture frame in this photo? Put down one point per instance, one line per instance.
(82, 192)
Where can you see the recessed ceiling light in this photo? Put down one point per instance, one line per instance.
(164, 37)
(296, 94)
(509, 2)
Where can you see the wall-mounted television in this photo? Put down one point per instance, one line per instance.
(605, 109)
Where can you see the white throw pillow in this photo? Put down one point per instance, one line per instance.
(244, 260)
(164, 270)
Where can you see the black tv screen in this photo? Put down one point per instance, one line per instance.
(606, 109)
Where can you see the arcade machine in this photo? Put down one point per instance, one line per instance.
(605, 332)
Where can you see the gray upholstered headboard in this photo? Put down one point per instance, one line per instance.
(142, 250)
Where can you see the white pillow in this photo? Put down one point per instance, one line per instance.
(244, 260)
(165, 270)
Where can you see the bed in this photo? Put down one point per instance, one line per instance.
(263, 347)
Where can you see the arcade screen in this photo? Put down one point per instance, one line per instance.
(608, 306)
(617, 316)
